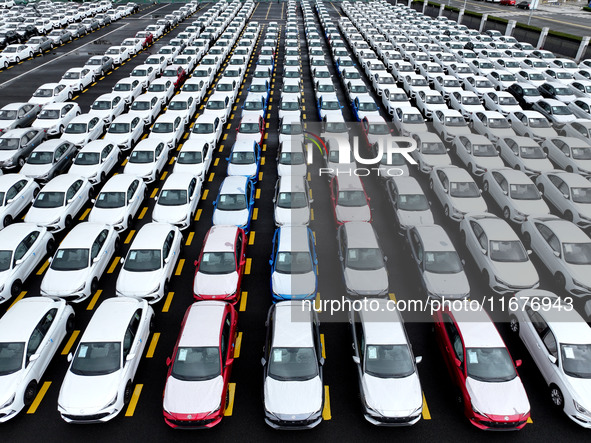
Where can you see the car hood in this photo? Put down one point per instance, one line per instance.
(196, 169)
(247, 170)
(436, 159)
(5, 155)
(581, 273)
(117, 138)
(35, 170)
(544, 132)
(415, 218)
(215, 285)
(108, 216)
(64, 282)
(449, 285)
(44, 123)
(348, 213)
(489, 162)
(170, 214)
(456, 130)
(538, 164)
(139, 169)
(296, 216)
(84, 170)
(193, 397)
(82, 395)
(298, 285)
(8, 386)
(532, 207)
(237, 218)
(370, 282)
(470, 204)
(393, 397)
(293, 397)
(583, 164)
(504, 398)
(517, 274)
(502, 132)
(75, 138)
(138, 283)
(4, 124)
(582, 386)
(43, 216)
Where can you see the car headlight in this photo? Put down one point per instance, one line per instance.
(581, 409)
(477, 411)
(156, 289)
(118, 222)
(577, 283)
(112, 402)
(81, 288)
(498, 280)
(57, 220)
(11, 400)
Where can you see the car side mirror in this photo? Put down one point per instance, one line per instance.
(129, 357)
(122, 260)
(518, 363)
(356, 360)
(70, 357)
(263, 361)
(155, 198)
(566, 196)
(556, 253)
(552, 359)
(93, 200)
(168, 361)
(33, 357)
(321, 361)
(96, 259)
(484, 251)
(458, 362)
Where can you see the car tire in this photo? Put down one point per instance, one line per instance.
(446, 211)
(513, 324)
(16, 288)
(102, 177)
(30, 393)
(70, 324)
(541, 188)
(129, 221)
(128, 392)
(569, 216)
(61, 129)
(485, 186)
(52, 46)
(560, 281)
(102, 72)
(7, 220)
(569, 169)
(485, 277)
(70, 95)
(166, 287)
(17, 60)
(94, 286)
(507, 213)
(556, 397)
(50, 247)
(68, 222)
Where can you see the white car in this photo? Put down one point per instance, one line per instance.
(409, 203)
(147, 107)
(95, 161)
(128, 88)
(119, 54)
(379, 340)
(492, 124)
(196, 87)
(158, 61)
(16, 193)
(233, 205)
(457, 191)
(194, 158)
(569, 193)
(477, 153)
(532, 124)
(479, 85)
(150, 262)
(147, 160)
(99, 381)
(79, 262)
(146, 74)
(580, 129)
(292, 201)
(409, 121)
(581, 107)
(25, 245)
(83, 129)
(502, 79)
(244, 159)
(54, 117)
(207, 127)
(50, 93)
(168, 129)
(449, 124)
(31, 333)
(558, 340)
(499, 255)
(514, 193)
(447, 85)
(119, 201)
(564, 249)
(430, 151)
(17, 52)
(178, 199)
(349, 200)
(393, 98)
(524, 154)
(77, 78)
(501, 101)
(125, 131)
(58, 203)
(219, 105)
(466, 102)
(108, 106)
(184, 105)
(133, 45)
(430, 101)
(570, 154)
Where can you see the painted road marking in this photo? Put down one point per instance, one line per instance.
(153, 343)
(198, 214)
(168, 301)
(426, 413)
(392, 296)
(211, 176)
(243, 298)
(154, 193)
(39, 397)
(43, 268)
(164, 174)
(317, 304)
(70, 342)
(204, 196)
(129, 236)
(144, 210)
(116, 261)
(323, 346)
(230, 405)
(255, 213)
(83, 216)
(179, 267)
(94, 299)
(251, 238)
(238, 344)
(247, 266)
(326, 415)
(19, 297)
(189, 239)
(134, 399)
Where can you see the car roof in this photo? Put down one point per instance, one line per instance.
(111, 319)
(434, 238)
(407, 185)
(82, 235)
(83, 118)
(51, 145)
(360, 235)
(566, 231)
(570, 178)
(203, 324)
(382, 326)
(124, 118)
(514, 176)
(95, 146)
(454, 173)
(495, 228)
(292, 325)
(220, 238)
(206, 117)
(291, 183)
(293, 238)
(150, 235)
(178, 180)
(119, 182)
(233, 183)
(10, 106)
(18, 132)
(243, 145)
(349, 182)
(148, 144)
(13, 234)
(19, 321)
(475, 326)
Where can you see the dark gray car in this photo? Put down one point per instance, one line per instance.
(91, 24)
(60, 36)
(77, 30)
(40, 44)
(49, 159)
(17, 115)
(99, 64)
(16, 144)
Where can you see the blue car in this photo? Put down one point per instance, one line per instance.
(234, 203)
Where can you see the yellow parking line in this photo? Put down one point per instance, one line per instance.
(179, 267)
(43, 268)
(134, 399)
(168, 301)
(255, 213)
(94, 299)
(154, 192)
(221, 148)
(211, 176)
(247, 266)
(229, 126)
(258, 194)
(266, 136)
(326, 415)
(262, 161)
(529, 420)
(426, 413)
(311, 214)
(153, 343)
(39, 397)
(114, 265)
(19, 297)
(243, 298)
(225, 137)
(251, 238)
(198, 214)
(317, 305)
(392, 296)
(323, 346)
(230, 405)
(70, 342)
(204, 196)
(164, 174)
(238, 344)
(217, 160)
(129, 236)
(261, 176)
(144, 210)
(83, 216)
(189, 239)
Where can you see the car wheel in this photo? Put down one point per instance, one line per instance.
(431, 184)
(128, 392)
(560, 281)
(16, 288)
(485, 277)
(485, 186)
(166, 285)
(52, 46)
(30, 393)
(69, 95)
(102, 177)
(18, 59)
(70, 324)
(50, 247)
(61, 129)
(556, 397)
(541, 188)
(446, 211)
(117, 243)
(30, 55)
(569, 216)
(152, 323)
(94, 285)
(5, 65)
(506, 213)
(129, 221)
(513, 324)
(470, 170)
(569, 169)
(102, 72)
(526, 239)
(68, 222)
(7, 220)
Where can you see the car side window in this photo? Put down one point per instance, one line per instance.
(131, 190)
(192, 187)
(106, 151)
(454, 338)
(98, 243)
(416, 245)
(167, 244)
(12, 192)
(73, 189)
(226, 337)
(40, 332)
(131, 332)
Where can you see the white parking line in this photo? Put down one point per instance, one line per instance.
(61, 56)
(152, 12)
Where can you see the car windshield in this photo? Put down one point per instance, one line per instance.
(564, 76)
(70, 260)
(498, 123)
(152, 61)
(576, 360)
(531, 152)
(507, 251)
(538, 123)
(293, 364)
(580, 195)
(7, 115)
(398, 97)
(435, 99)
(527, 191)
(291, 158)
(162, 128)
(9, 144)
(321, 88)
(507, 78)
(455, 121)
(172, 197)
(155, 87)
(577, 253)
(49, 199)
(143, 260)
(87, 158)
(471, 101)
(139, 73)
(5, 257)
(109, 200)
(368, 106)
(388, 361)
(295, 128)
(76, 128)
(94, 359)
(413, 202)
(215, 104)
(293, 262)
(122, 87)
(190, 158)
(255, 105)
(413, 118)
(290, 106)
(483, 84)
(11, 357)
(196, 364)
(330, 105)
(509, 101)
(71, 76)
(378, 129)
(579, 153)
(434, 148)
(218, 263)
(487, 150)
(560, 110)
(292, 200)
(352, 198)
(43, 93)
(141, 157)
(249, 128)
(464, 190)
(443, 262)
(451, 84)
(531, 92)
(232, 202)
(94, 62)
(263, 88)
(242, 158)
(365, 259)
(119, 128)
(489, 364)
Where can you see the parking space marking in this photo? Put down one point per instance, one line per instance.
(243, 298)
(114, 264)
(230, 405)
(251, 238)
(238, 345)
(529, 420)
(179, 267)
(189, 239)
(211, 176)
(426, 413)
(164, 174)
(255, 213)
(33, 408)
(392, 296)
(144, 210)
(217, 160)
(153, 343)
(134, 399)
(129, 236)
(258, 194)
(229, 126)
(261, 176)
(83, 216)
(198, 214)
(262, 161)
(43, 268)
(70, 342)
(326, 414)
(168, 301)
(323, 346)
(221, 148)
(311, 214)
(204, 196)
(154, 193)
(94, 299)
(247, 266)
(19, 297)
(317, 304)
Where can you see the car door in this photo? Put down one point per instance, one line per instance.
(499, 190)
(108, 159)
(17, 202)
(532, 330)
(74, 200)
(60, 159)
(39, 345)
(441, 187)
(547, 246)
(25, 256)
(478, 245)
(131, 345)
(100, 254)
(133, 198)
(558, 193)
(167, 254)
(416, 249)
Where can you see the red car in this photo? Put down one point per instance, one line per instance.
(147, 38)
(508, 2)
(481, 368)
(252, 127)
(196, 393)
(221, 264)
(177, 74)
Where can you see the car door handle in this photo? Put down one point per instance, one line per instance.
(538, 345)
